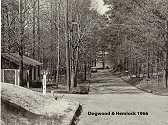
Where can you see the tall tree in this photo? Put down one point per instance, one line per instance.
(67, 46)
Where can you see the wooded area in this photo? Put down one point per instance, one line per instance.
(65, 36)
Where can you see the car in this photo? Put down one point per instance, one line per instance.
(93, 69)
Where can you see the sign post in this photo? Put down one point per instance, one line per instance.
(44, 84)
(3, 76)
(28, 84)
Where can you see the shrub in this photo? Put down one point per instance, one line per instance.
(81, 90)
(24, 83)
(36, 84)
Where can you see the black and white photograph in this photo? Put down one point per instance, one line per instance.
(84, 62)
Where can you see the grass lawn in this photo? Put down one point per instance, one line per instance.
(151, 86)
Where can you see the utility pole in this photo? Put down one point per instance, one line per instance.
(21, 32)
(67, 46)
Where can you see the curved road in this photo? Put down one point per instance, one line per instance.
(108, 93)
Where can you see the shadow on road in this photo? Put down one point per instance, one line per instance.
(103, 82)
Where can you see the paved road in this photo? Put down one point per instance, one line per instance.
(110, 94)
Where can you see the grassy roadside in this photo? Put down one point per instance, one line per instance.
(150, 86)
(82, 88)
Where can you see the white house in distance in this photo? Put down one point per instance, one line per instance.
(102, 60)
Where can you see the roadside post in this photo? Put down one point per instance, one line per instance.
(28, 84)
(52, 93)
(44, 84)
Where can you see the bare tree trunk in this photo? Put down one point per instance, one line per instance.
(156, 63)
(34, 23)
(21, 40)
(38, 30)
(140, 68)
(3, 33)
(67, 46)
(77, 53)
(85, 68)
(166, 80)
(8, 24)
(153, 65)
(147, 75)
(58, 46)
(103, 57)
(72, 60)
(136, 67)
(72, 71)
(166, 55)
(76, 66)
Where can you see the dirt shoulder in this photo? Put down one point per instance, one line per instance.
(150, 86)
(41, 107)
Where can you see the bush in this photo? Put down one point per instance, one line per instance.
(24, 83)
(81, 90)
(80, 76)
(36, 84)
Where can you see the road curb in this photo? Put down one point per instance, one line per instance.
(73, 116)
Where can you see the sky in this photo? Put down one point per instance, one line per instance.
(99, 6)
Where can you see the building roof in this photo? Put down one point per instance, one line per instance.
(14, 57)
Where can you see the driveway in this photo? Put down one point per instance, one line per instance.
(108, 93)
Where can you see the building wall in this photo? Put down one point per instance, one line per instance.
(8, 64)
(32, 74)
(15, 76)
(25, 74)
(99, 64)
(35, 73)
(8, 77)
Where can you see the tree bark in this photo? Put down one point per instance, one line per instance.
(77, 53)
(157, 67)
(34, 23)
(85, 68)
(166, 56)
(136, 67)
(165, 74)
(38, 29)
(67, 46)
(103, 57)
(21, 40)
(76, 67)
(58, 45)
(3, 33)
(148, 68)
(72, 59)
